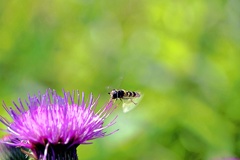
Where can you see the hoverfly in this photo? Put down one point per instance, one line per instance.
(130, 98)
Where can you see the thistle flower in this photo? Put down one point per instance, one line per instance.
(53, 126)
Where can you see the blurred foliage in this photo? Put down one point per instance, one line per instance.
(183, 55)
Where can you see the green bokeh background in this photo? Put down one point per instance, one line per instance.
(183, 55)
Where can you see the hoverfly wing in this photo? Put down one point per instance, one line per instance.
(130, 103)
(128, 106)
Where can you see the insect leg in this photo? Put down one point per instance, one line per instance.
(133, 102)
(130, 100)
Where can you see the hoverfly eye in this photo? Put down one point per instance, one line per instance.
(114, 95)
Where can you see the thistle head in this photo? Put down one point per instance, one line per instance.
(52, 126)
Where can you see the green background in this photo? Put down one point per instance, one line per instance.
(182, 55)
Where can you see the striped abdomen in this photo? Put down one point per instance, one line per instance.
(131, 94)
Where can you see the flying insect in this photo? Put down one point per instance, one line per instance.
(130, 99)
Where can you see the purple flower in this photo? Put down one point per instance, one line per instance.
(53, 126)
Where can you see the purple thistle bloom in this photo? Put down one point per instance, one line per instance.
(53, 126)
